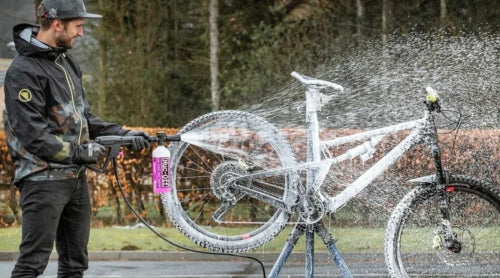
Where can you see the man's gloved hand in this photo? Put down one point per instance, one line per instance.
(141, 140)
(88, 153)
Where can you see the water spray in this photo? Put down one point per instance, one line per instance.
(161, 160)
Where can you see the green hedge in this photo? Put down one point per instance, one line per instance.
(470, 152)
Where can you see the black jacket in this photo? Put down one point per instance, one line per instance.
(47, 113)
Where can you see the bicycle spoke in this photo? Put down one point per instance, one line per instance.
(206, 169)
(418, 243)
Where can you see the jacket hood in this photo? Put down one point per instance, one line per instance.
(27, 44)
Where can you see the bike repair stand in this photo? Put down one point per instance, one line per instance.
(313, 104)
(328, 240)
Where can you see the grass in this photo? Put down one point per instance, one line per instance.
(349, 239)
(113, 239)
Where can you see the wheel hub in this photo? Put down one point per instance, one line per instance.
(459, 250)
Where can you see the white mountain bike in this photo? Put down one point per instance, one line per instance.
(236, 183)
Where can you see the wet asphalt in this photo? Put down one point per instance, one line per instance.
(184, 264)
(137, 264)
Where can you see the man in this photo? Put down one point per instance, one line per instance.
(49, 129)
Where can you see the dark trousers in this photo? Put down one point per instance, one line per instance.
(54, 211)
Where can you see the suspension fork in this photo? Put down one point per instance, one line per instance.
(438, 166)
(442, 182)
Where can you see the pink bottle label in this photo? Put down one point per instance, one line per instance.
(161, 175)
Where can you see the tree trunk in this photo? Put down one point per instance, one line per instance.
(100, 106)
(385, 15)
(443, 13)
(385, 30)
(214, 49)
(360, 14)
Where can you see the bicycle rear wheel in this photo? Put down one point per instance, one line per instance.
(414, 236)
(206, 204)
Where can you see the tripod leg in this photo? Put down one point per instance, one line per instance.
(287, 250)
(329, 241)
(309, 251)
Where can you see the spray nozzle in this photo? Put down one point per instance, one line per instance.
(162, 137)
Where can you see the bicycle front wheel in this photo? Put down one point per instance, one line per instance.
(208, 202)
(415, 239)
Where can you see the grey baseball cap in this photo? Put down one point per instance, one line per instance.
(66, 9)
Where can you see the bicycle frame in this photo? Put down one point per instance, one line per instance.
(422, 130)
(414, 138)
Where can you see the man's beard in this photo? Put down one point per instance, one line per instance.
(64, 41)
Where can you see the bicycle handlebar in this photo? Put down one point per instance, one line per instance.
(306, 80)
(432, 99)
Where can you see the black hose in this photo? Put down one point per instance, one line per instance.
(115, 169)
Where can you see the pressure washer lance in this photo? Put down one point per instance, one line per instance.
(161, 156)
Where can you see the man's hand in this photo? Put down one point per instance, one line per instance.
(141, 140)
(88, 153)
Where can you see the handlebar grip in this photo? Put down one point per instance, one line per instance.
(430, 90)
(432, 95)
